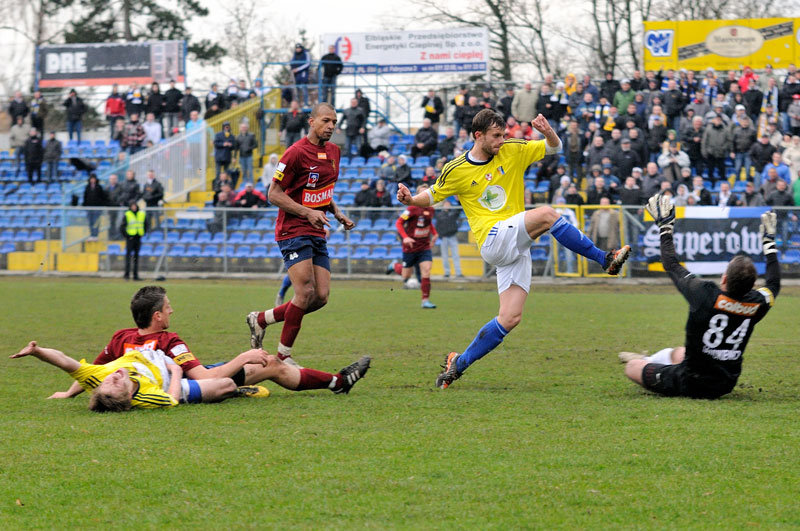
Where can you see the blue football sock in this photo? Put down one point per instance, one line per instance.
(287, 283)
(576, 241)
(488, 338)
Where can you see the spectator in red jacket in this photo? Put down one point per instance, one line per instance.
(250, 197)
(115, 107)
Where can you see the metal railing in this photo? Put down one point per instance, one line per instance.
(224, 240)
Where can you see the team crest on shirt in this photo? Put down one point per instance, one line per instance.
(312, 180)
(322, 155)
(489, 177)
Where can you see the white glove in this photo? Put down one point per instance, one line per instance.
(767, 230)
(660, 207)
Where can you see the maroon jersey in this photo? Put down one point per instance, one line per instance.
(417, 223)
(128, 339)
(307, 173)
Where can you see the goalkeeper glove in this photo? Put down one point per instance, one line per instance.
(767, 230)
(660, 207)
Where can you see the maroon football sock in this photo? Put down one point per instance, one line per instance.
(426, 287)
(278, 313)
(291, 324)
(312, 379)
(398, 268)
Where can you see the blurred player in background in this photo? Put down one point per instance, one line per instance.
(415, 226)
(488, 180)
(302, 188)
(721, 318)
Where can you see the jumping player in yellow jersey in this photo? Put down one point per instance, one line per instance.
(488, 180)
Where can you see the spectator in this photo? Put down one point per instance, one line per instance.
(573, 197)
(753, 99)
(294, 124)
(249, 197)
(791, 156)
(212, 111)
(523, 106)
(715, 147)
(751, 197)
(627, 159)
(468, 113)
(94, 196)
(597, 191)
(425, 140)
(631, 194)
(379, 139)
(75, 111)
(760, 155)
(460, 102)
(219, 182)
(681, 198)
(651, 181)
(173, 98)
(672, 163)
(133, 227)
(624, 96)
(701, 194)
(486, 101)
(134, 100)
(152, 129)
(153, 196)
(231, 95)
(610, 86)
(115, 108)
(388, 169)
(595, 153)
(155, 104)
(39, 109)
(18, 107)
(224, 146)
(331, 66)
(114, 193)
(130, 189)
(559, 184)
(743, 136)
(52, 154)
(447, 145)
(354, 117)
(380, 197)
(214, 98)
(574, 145)
(604, 225)
(781, 168)
(34, 155)
(133, 136)
(447, 227)
(190, 104)
(770, 183)
(673, 105)
(269, 171)
(301, 65)
(656, 137)
(726, 198)
(245, 145)
(781, 197)
(504, 106)
(698, 104)
(363, 199)
(402, 174)
(433, 108)
(638, 144)
(429, 176)
(793, 111)
(20, 132)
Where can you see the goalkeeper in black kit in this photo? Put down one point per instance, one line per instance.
(721, 318)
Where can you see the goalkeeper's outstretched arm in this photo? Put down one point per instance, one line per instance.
(768, 228)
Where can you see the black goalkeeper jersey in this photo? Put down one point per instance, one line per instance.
(719, 326)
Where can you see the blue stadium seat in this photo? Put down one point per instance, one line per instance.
(396, 252)
(463, 226)
(243, 251)
(543, 241)
(146, 250)
(388, 238)
(381, 224)
(114, 249)
(355, 238)
(370, 238)
(792, 256)
(188, 236)
(236, 237)
(259, 251)
(265, 224)
(347, 199)
(183, 223)
(177, 250)
(538, 254)
(219, 237)
(194, 250)
(21, 236)
(209, 251)
(153, 237)
(173, 237)
(253, 237)
(336, 238)
(361, 253)
(340, 253)
(357, 161)
(364, 225)
(247, 224)
(204, 237)
(159, 249)
(7, 248)
(379, 253)
(7, 235)
(274, 252)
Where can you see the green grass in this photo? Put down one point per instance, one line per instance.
(545, 432)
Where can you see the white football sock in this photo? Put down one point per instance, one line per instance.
(269, 316)
(663, 356)
(284, 351)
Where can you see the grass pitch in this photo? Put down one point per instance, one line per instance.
(543, 433)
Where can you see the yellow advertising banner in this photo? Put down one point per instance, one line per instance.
(721, 44)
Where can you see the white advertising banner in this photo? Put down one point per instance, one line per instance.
(409, 52)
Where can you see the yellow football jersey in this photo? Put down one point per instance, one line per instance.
(489, 191)
(141, 369)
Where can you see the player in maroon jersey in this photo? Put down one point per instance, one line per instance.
(302, 188)
(151, 311)
(415, 226)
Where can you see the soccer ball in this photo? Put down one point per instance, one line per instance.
(412, 283)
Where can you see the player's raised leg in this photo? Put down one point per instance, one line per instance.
(540, 220)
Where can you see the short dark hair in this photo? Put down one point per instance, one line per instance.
(315, 110)
(741, 275)
(486, 119)
(103, 403)
(146, 302)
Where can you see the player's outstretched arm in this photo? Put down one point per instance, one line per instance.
(74, 390)
(768, 229)
(541, 124)
(254, 356)
(49, 355)
(422, 199)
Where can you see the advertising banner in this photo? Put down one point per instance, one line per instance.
(409, 52)
(706, 238)
(721, 44)
(70, 65)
